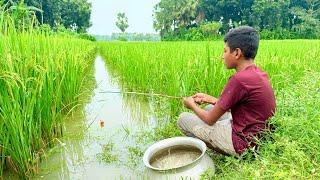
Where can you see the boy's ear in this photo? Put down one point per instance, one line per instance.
(238, 53)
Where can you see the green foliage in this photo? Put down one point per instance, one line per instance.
(193, 34)
(210, 29)
(17, 18)
(310, 28)
(86, 37)
(22, 15)
(122, 38)
(223, 11)
(275, 19)
(208, 174)
(207, 31)
(122, 22)
(175, 83)
(270, 14)
(45, 29)
(279, 34)
(75, 15)
(39, 84)
(171, 15)
(72, 14)
(106, 155)
(135, 155)
(41, 77)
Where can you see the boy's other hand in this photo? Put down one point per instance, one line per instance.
(199, 98)
(204, 98)
(189, 102)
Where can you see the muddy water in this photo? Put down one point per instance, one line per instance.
(175, 157)
(75, 157)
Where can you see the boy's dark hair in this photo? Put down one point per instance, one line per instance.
(245, 38)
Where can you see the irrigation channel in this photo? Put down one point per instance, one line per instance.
(77, 155)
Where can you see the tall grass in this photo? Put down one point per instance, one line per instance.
(183, 68)
(41, 80)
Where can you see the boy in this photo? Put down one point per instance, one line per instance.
(248, 94)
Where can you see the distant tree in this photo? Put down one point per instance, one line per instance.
(171, 15)
(122, 22)
(75, 14)
(307, 21)
(164, 18)
(270, 14)
(69, 13)
(187, 12)
(227, 12)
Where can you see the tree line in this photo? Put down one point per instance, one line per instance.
(207, 19)
(71, 14)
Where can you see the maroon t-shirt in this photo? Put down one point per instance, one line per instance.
(250, 97)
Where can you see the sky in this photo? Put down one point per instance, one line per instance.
(104, 15)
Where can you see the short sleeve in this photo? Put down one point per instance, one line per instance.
(232, 94)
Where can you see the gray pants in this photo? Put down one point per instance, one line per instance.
(219, 135)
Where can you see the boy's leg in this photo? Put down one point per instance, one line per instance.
(188, 121)
(218, 135)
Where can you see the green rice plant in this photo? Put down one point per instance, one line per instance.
(42, 79)
(167, 68)
(178, 68)
(183, 68)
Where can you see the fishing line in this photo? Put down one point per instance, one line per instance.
(145, 94)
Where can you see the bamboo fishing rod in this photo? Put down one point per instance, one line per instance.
(144, 94)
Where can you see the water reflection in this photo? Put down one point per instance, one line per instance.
(75, 156)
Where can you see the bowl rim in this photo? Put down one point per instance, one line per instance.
(151, 149)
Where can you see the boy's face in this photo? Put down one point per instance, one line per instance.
(229, 58)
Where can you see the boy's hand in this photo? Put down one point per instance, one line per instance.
(189, 102)
(204, 98)
(199, 98)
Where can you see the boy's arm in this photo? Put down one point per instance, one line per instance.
(209, 117)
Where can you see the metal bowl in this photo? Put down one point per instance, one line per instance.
(192, 170)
